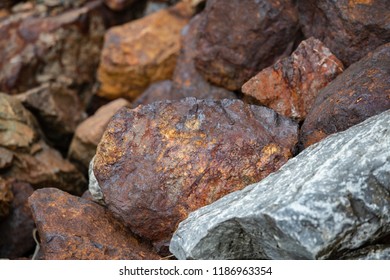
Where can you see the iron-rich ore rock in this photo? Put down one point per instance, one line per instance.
(236, 40)
(89, 133)
(156, 163)
(291, 85)
(16, 230)
(375, 252)
(331, 198)
(349, 28)
(361, 91)
(70, 227)
(6, 198)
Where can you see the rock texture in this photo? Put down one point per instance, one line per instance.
(89, 133)
(73, 228)
(16, 239)
(157, 163)
(141, 52)
(28, 158)
(361, 91)
(236, 40)
(375, 252)
(331, 198)
(349, 28)
(6, 198)
(291, 85)
(118, 5)
(158, 91)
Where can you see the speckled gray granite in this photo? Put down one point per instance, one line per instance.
(332, 198)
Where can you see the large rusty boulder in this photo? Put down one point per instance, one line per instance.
(70, 227)
(291, 85)
(237, 39)
(361, 91)
(349, 28)
(157, 163)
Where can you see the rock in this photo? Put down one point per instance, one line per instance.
(89, 133)
(291, 85)
(375, 252)
(330, 199)
(8, 3)
(6, 158)
(6, 198)
(158, 162)
(141, 52)
(118, 5)
(50, 47)
(349, 28)
(235, 40)
(74, 228)
(28, 158)
(361, 91)
(16, 239)
(158, 91)
(58, 109)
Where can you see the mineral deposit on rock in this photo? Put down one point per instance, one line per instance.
(361, 91)
(331, 198)
(349, 28)
(74, 228)
(237, 39)
(291, 85)
(158, 162)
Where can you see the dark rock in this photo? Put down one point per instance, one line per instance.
(158, 162)
(361, 91)
(8, 3)
(16, 231)
(236, 40)
(291, 85)
(330, 199)
(74, 228)
(349, 28)
(158, 91)
(118, 5)
(6, 198)
(375, 252)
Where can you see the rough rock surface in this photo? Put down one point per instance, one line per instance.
(291, 85)
(74, 228)
(349, 28)
(6, 198)
(375, 252)
(63, 47)
(28, 157)
(158, 91)
(331, 198)
(236, 40)
(89, 133)
(361, 91)
(141, 52)
(16, 237)
(158, 162)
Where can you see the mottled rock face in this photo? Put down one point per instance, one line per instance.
(236, 39)
(16, 230)
(349, 28)
(6, 198)
(291, 85)
(141, 52)
(330, 199)
(361, 91)
(157, 163)
(375, 252)
(74, 228)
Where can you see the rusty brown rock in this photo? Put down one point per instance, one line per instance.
(74, 228)
(158, 162)
(361, 91)
(37, 47)
(6, 198)
(89, 133)
(118, 5)
(349, 28)
(16, 230)
(291, 85)
(141, 52)
(236, 40)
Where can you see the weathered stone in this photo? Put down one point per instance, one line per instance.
(16, 230)
(235, 40)
(349, 28)
(158, 91)
(74, 228)
(331, 198)
(58, 109)
(6, 198)
(89, 133)
(291, 85)
(158, 162)
(361, 91)
(376, 252)
(141, 52)
(6, 158)
(118, 5)
(38, 48)
(30, 159)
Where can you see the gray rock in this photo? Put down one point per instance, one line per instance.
(332, 198)
(376, 252)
